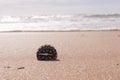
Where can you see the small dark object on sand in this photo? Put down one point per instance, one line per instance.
(7, 67)
(21, 68)
(46, 52)
(117, 64)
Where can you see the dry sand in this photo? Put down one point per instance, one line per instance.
(90, 55)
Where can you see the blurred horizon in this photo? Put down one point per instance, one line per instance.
(54, 7)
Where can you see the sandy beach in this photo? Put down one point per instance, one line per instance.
(86, 55)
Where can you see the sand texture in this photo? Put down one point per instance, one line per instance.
(89, 55)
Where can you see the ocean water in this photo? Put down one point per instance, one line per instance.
(60, 22)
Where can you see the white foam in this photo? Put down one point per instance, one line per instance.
(60, 22)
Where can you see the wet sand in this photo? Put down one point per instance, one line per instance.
(87, 55)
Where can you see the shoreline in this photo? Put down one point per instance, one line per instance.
(59, 30)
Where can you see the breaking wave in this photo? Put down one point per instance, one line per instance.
(60, 22)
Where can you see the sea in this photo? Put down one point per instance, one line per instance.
(70, 22)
